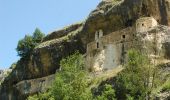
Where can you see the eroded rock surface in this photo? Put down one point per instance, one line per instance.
(42, 62)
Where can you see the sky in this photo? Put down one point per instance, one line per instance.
(21, 17)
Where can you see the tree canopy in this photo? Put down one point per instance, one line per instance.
(28, 43)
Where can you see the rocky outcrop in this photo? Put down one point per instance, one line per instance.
(25, 88)
(44, 61)
(110, 16)
(4, 74)
(33, 86)
(154, 42)
(63, 32)
(163, 96)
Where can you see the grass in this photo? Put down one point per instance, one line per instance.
(166, 86)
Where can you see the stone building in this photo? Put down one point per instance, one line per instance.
(106, 52)
(145, 24)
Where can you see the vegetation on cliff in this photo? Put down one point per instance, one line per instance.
(137, 81)
(72, 83)
(27, 44)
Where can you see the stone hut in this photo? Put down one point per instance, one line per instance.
(146, 23)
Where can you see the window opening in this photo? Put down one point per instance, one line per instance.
(123, 36)
(97, 44)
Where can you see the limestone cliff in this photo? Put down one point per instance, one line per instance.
(44, 61)
(110, 16)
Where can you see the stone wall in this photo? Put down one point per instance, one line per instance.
(109, 51)
(146, 23)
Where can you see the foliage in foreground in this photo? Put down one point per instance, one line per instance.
(42, 96)
(138, 79)
(71, 83)
(136, 82)
(166, 86)
(107, 94)
(27, 44)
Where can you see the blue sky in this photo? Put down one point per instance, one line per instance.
(20, 17)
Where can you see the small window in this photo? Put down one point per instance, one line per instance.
(97, 44)
(98, 35)
(142, 24)
(123, 36)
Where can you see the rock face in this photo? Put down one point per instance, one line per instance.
(118, 14)
(42, 62)
(164, 96)
(33, 86)
(109, 16)
(4, 74)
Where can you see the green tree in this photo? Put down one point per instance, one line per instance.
(27, 44)
(136, 79)
(71, 81)
(38, 35)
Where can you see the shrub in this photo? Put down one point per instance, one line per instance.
(71, 82)
(138, 78)
(41, 96)
(107, 94)
(166, 86)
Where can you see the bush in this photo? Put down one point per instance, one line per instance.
(71, 82)
(107, 94)
(41, 96)
(166, 86)
(27, 44)
(138, 78)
